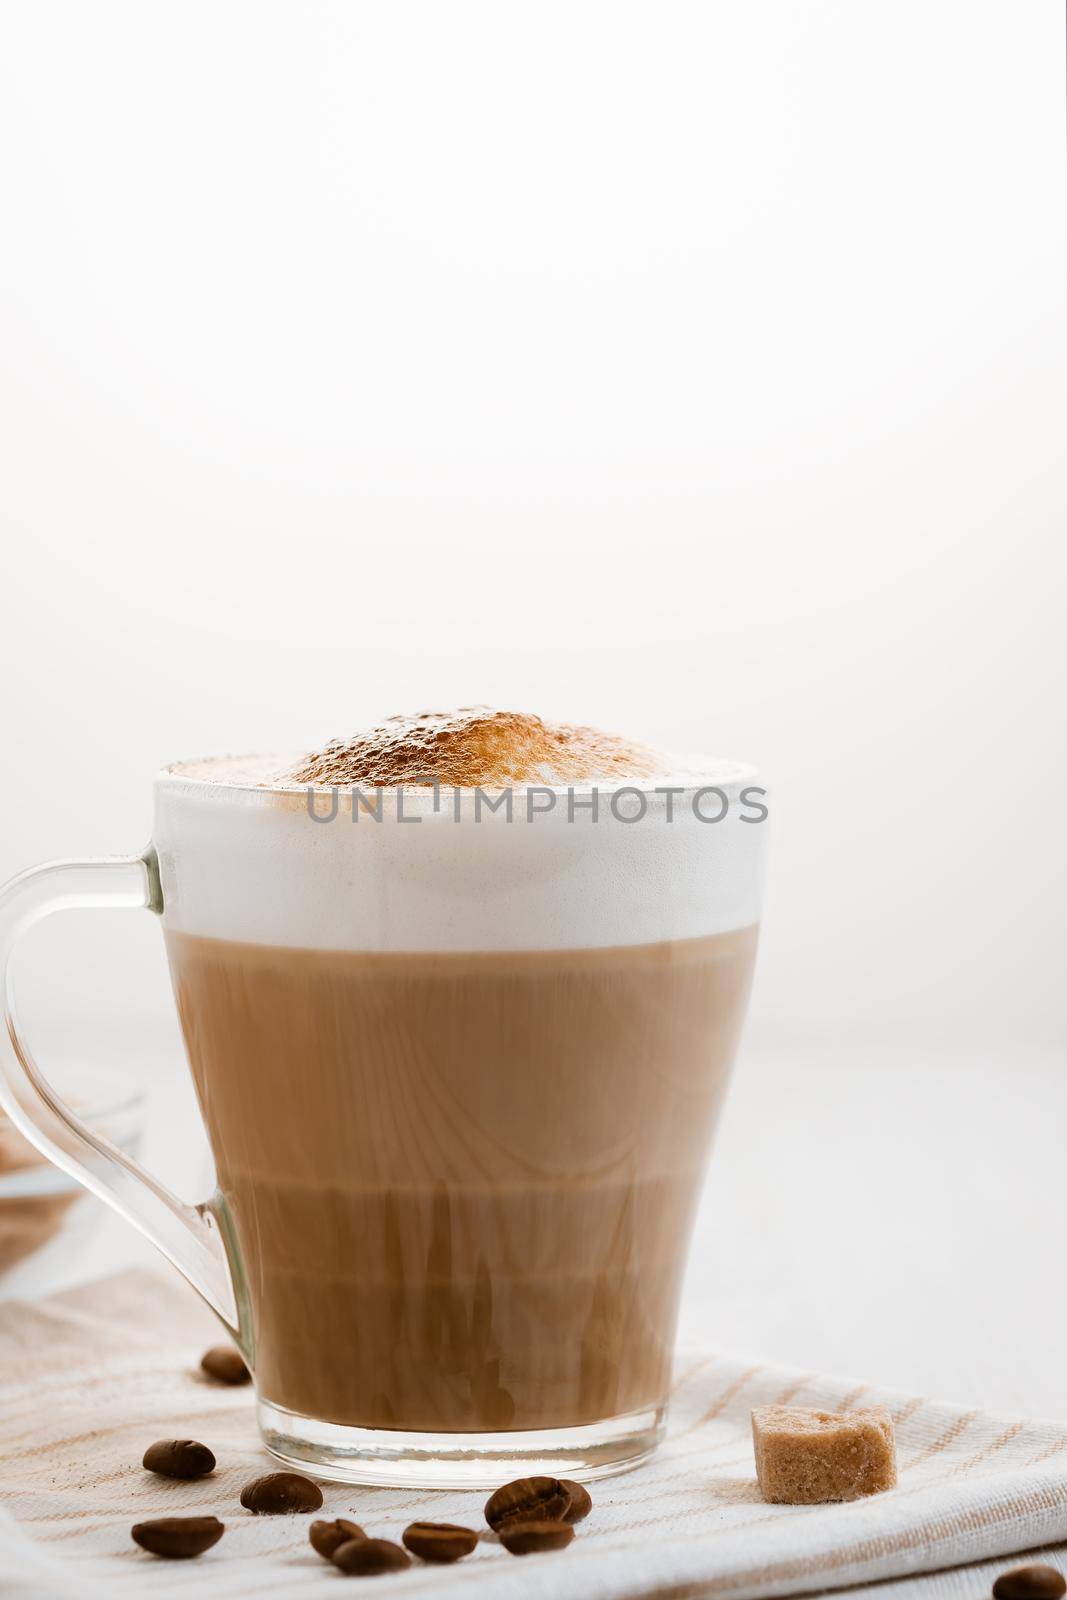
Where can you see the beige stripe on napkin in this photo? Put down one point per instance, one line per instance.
(91, 1377)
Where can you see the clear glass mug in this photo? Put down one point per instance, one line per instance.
(460, 1062)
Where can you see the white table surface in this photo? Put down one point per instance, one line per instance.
(895, 1211)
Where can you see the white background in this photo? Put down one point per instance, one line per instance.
(699, 370)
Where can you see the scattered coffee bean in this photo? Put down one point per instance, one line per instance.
(326, 1537)
(179, 1458)
(527, 1500)
(365, 1557)
(581, 1501)
(178, 1538)
(527, 1538)
(1030, 1583)
(280, 1492)
(439, 1541)
(223, 1363)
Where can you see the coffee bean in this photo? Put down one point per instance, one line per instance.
(223, 1363)
(365, 1557)
(280, 1492)
(1030, 1583)
(326, 1537)
(527, 1500)
(179, 1458)
(178, 1538)
(527, 1538)
(439, 1541)
(581, 1501)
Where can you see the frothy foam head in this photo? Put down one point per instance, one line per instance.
(251, 849)
(477, 747)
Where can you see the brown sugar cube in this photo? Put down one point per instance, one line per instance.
(805, 1457)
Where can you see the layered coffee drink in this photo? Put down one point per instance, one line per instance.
(459, 1065)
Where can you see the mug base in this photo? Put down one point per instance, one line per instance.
(402, 1459)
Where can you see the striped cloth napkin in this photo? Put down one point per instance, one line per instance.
(92, 1376)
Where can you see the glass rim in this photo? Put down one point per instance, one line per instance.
(706, 773)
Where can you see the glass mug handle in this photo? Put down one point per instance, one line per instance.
(187, 1235)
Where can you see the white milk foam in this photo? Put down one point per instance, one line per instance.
(240, 858)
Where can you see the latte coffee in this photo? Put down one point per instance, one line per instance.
(460, 994)
(459, 1057)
